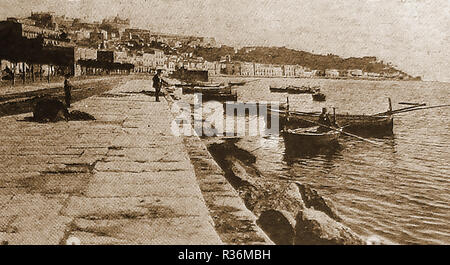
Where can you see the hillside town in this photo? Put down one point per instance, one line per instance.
(45, 45)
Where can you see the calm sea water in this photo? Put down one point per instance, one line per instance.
(400, 190)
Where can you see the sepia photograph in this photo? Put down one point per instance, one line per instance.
(224, 123)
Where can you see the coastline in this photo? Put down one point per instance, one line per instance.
(319, 77)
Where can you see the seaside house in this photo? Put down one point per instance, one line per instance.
(332, 73)
(289, 70)
(247, 69)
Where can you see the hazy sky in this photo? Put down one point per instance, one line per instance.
(412, 34)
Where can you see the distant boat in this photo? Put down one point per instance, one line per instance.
(206, 90)
(276, 89)
(237, 83)
(300, 90)
(292, 90)
(318, 96)
(221, 97)
(199, 84)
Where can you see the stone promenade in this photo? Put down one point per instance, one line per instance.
(121, 179)
(59, 82)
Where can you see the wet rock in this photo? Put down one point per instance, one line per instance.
(50, 110)
(262, 194)
(279, 226)
(273, 195)
(316, 228)
(313, 200)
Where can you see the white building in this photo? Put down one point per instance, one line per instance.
(247, 69)
(331, 73)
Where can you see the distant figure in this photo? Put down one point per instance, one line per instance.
(157, 83)
(67, 90)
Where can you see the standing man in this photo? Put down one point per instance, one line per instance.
(157, 83)
(67, 90)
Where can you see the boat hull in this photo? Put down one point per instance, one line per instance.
(221, 97)
(203, 90)
(290, 90)
(319, 97)
(237, 83)
(298, 144)
(351, 123)
(314, 139)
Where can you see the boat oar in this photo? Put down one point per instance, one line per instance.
(338, 130)
(418, 108)
(399, 110)
(410, 103)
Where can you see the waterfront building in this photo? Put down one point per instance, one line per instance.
(28, 46)
(232, 68)
(213, 68)
(277, 71)
(268, 70)
(121, 57)
(356, 73)
(148, 62)
(299, 71)
(289, 70)
(247, 69)
(332, 73)
(309, 74)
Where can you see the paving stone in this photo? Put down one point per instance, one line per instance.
(132, 208)
(120, 179)
(159, 231)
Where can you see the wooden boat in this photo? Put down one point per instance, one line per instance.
(319, 96)
(292, 90)
(300, 90)
(221, 97)
(350, 123)
(310, 137)
(275, 89)
(237, 83)
(206, 90)
(199, 84)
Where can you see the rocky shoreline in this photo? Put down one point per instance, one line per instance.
(291, 213)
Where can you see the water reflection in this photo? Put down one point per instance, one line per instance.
(399, 190)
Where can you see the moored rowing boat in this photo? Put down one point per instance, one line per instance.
(206, 90)
(310, 137)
